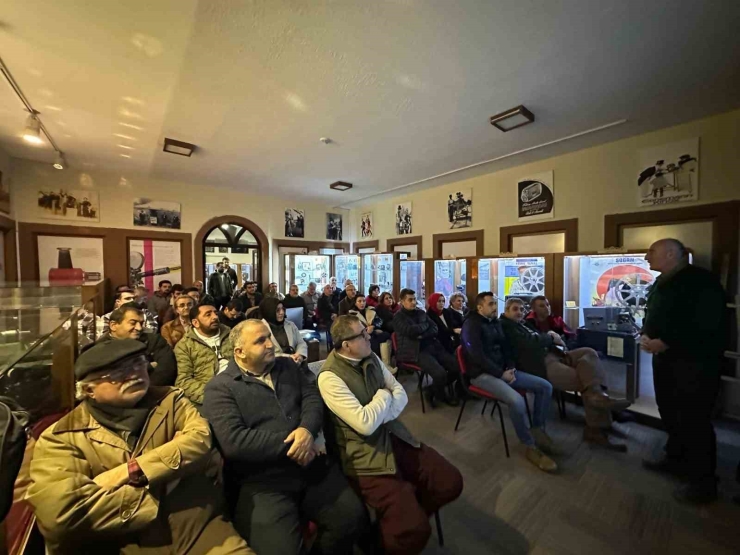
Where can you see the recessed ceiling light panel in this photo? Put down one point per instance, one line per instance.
(178, 147)
(511, 119)
(340, 186)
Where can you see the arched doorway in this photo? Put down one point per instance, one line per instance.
(238, 239)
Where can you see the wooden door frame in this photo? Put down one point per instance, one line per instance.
(407, 240)
(439, 239)
(7, 227)
(375, 244)
(567, 227)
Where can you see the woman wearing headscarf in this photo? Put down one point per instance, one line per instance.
(285, 334)
(379, 339)
(445, 334)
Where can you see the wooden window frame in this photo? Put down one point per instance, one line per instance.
(477, 235)
(567, 227)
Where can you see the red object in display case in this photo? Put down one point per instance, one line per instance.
(66, 274)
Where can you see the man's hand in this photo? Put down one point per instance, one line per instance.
(509, 375)
(653, 346)
(556, 338)
(114, 478)
(298, 358)
(370, 329)
(457, 331)
(301, 449)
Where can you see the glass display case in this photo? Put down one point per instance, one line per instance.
(449, 278)
(522, 277)
(412, 277)
(377, 269)
(302, 269)
(347, 266)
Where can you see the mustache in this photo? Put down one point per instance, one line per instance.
(129, 384)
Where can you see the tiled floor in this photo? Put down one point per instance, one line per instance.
(599, 503)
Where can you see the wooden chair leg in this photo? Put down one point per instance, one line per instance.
(462, 408)
(503, 428)
(440, 536)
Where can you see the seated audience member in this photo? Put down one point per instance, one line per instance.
(176, 329)
(335, 292)
(545, 355)
(404, 480)
(349, 299)
(126, 322)
(294, 300)
(436, 311)
(387, 303)
(285, 335)
(379, 339)
(273, 293)
(231, 314)
(491, 366)
(373, 296)
(198, 294)
(325, 310)
(265, 416)
(202, 353)
(142, 295)
(311, 298)
(125, 296)
(170, 314)
(219, 286)
(343, 294)
(455, 313)
(130, 469)
(160, 300)
(540, 318)
(416, 336)
(249, 297)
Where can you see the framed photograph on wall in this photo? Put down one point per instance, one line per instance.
(669, 173)
(80, 205)
(460, 208)
(366, 225)
(151, 261)
(69, 260)
(334, 227)
(157, 213)
(536, 197)
(295, 222)
(403, 218)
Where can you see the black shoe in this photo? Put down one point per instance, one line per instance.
(452, 400)
(664, 466)
(430, 398)
(698, 493)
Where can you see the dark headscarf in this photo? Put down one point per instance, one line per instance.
(268, 310)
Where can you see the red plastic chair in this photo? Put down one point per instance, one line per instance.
(411, 367)
(479, 393)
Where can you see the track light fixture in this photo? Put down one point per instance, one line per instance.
(32, 133)
(59, 162)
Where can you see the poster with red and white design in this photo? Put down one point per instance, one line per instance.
(152, 261)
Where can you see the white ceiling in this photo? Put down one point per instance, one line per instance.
(404, 87)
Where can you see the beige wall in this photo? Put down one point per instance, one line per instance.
(5, 168)
(200, 202)
(588, 184)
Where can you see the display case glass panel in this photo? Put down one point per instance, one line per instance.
(449, 277)
(412, 277)
(347, 266)
(512, 277)
(302, 269)
(377, 269)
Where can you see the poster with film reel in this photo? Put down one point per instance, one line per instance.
(620, 281)
(524, 277)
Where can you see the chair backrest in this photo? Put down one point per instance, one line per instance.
(395, 341)
(461, 360)
(295, 315)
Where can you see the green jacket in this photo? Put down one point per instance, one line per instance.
(197, 363)
(364, 455)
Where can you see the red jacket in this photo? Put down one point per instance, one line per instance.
(553, 323)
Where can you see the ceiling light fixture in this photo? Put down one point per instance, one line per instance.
(124, 156)
(126, 147)
(59, 162)
(341, 186)
(511, 119)
(32, 133)
(122, 136)
(178, 147)
(131, 126)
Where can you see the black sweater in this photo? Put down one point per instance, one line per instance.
(485, 346)
(324, 309)
(528, 346)
(444, 333)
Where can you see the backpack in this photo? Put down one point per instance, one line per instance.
(13, 423)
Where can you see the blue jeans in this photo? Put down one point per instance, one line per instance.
(506, 393)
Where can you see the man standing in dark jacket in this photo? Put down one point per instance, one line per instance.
(219, 286)
(416, 336)
(490, 366)
(685, 331)
(126, 322)
(266, 415)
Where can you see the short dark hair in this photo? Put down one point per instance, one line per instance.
(537, 298)
(342, 328)
(232, 304)
(406, 293)
(177, 287)
(119, 314)
(513, 300)
(225, 258)
(161, 281)
(195, 311)
(121, 290)
(120, 287)
(373, 288)
(190, 290)
(480, 298)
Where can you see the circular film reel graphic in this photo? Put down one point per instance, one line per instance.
(533, 279)
(632, 291)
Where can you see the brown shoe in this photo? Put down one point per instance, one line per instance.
(540, 460)
(600, 400)
(596, 436)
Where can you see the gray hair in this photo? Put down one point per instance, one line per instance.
(237, 333)
(513, 300)
(456, 295)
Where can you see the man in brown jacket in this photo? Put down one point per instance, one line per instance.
(174, 330)
(131, 469)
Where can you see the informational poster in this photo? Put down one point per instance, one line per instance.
(524, 276)
(70, 260)
(310, 268)
(536, 197)
(620, 281)
(346, 266)
(669, 173)
(151, 261)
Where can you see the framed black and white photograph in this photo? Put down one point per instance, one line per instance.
(403, 218)
(69, 204)
(334, 227)
(157, 213)
(460, 208)
(366, 225)
(536, 197)
(669, 173)
(295, 221)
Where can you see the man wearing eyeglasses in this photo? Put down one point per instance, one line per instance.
(130, 470)
(202, 353)
(404, 480)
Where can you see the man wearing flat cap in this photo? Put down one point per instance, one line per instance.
(130, 469)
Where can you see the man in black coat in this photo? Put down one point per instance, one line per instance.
(417, 343)
(219, 286)
(230, 273)
(266, 416)
(685, 329)
(126, 322)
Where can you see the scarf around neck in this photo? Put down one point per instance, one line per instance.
(127, 422)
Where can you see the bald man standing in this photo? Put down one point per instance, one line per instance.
(685, 330)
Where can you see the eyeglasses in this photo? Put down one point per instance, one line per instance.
(363, 334)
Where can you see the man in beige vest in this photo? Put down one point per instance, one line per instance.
(404, 480)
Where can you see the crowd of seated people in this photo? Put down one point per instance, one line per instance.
(254, 446)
